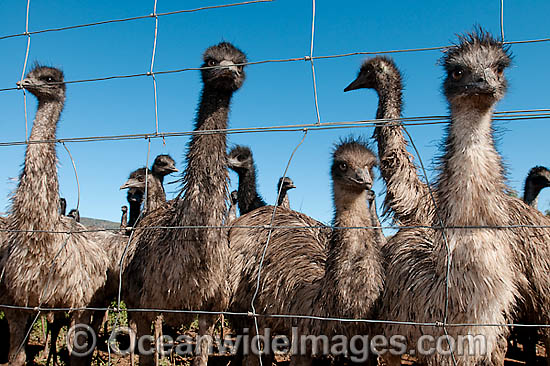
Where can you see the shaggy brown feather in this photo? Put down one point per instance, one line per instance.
(407, 197)
(484, 276)
(311, 270)
(46, 268)
(185, 268)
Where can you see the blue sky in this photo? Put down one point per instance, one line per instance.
(273, 94)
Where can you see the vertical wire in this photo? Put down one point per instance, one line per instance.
(26, 140)
(123, 256)
(25, 68)
(312, 64)
(258, 278)
(75, 175)
(152, 66)
(444, 235)
(502, 20)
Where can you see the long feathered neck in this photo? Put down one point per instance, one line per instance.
(156, 196)
(531, 194)
(283, 199)
(353, 273)
(405, 192)
(352, 210)
(247, 195)
(205, 176)
(35, 203)
(472, 177)
(124, 219)
(390, 99)
(135, 208)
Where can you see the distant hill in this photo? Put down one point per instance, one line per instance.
(104, 224)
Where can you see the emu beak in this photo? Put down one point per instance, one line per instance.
(363, 178)
(232, 162)
(132, 183)
(230, 65)
(173, 169)
(355, 84)
(23, 83)
(291, 186)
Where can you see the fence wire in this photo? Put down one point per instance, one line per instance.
(512, 115)
(504, 116)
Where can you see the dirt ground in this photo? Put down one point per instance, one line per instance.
(37, 353)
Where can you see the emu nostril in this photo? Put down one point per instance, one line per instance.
(480, 80)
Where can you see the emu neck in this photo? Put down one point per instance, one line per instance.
(283, 200)
(124, 220)
(156, 196)
(353, 273)
(35, 203)
(389, 100)
(135, 208)
(471, 183)
(406, 194)
(205, 175)
(352, 209)
(531, 194)
(247, 195)
(347, 246)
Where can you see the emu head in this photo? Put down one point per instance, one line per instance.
(240, 160)
(538, 177)
(376, 73)
(223, 69)
(164, 165)
(286, 183)
(45, 83)
(475, 70)
(352, 165)
(136, 180)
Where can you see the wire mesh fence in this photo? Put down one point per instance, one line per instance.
(306, 128)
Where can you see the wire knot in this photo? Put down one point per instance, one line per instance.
(439, 324)
(250, 314)
(307, 58)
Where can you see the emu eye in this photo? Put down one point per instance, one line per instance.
(212, 62)
(457, 74)
(343, 166)
(141, 178)
(500, 70)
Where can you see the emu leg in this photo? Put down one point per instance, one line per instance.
(82, 341)
(248, 354)
(158, 339)
(529, 339)
(55, 326)
(133, 339)
(18, 324)
(206, 326)
(144, 339)
(546, 337)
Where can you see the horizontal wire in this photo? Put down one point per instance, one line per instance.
(267, 227)
(132, 18)
(303, 58)
(280, 316)
(413, 121)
